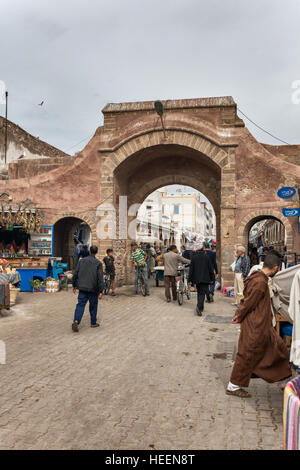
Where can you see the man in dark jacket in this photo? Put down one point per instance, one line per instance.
(88, 279)
(201, 274)
(213, 258)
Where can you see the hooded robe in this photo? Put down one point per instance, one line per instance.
(261, 351)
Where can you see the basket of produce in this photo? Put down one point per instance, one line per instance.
(38, 285)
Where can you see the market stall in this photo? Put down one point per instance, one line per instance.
(26, 244)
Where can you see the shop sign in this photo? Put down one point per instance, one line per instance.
(293, 212)
(286, 193)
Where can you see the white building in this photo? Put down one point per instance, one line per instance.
(180, 211)
(23, 146)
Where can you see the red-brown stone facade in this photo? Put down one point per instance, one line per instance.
(205, 145)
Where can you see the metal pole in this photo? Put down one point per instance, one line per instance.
(5, 139)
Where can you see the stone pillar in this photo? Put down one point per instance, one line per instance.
(227, 220)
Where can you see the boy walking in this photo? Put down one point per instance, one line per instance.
(110, 270)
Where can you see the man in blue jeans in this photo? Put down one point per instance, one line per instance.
(88, 279)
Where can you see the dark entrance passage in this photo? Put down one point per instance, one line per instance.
(66, 231)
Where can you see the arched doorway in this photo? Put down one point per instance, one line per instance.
(267, 232)
(66, 230)
(277, 228)
(153, 167)
(176, 214)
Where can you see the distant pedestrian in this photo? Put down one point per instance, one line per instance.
(188, 252)
(76, 252)
(171, 261)
(84, 252)
(139, 257)
(151, 255)
(213, 258)
(253, 256)
(202, 275)
(265, 251)
(241, 271)
(110, 270)
(88, 279)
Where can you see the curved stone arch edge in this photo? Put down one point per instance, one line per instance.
(84, 218)
(131, 145)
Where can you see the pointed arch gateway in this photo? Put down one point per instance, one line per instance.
(137, 166)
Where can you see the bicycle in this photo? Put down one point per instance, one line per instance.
(182, 286)
(141, 280)
(107, 283)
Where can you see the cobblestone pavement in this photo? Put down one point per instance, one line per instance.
(152, 377)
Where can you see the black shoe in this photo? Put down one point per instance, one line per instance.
(168, 300)
(199, 312)
(75, 327)
(95, 325)
(212, 298)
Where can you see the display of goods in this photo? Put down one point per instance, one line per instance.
(228, 291)
(63, 281)
(69, 275)
(52, 285)
(14, 291)
(41, 289)
(37, 285)
(4, 293)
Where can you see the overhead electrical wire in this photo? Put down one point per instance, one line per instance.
(89, 137)
(261, 128)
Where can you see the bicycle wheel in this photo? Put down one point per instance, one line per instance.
(180, 294)
(180, 298)
(143, 285)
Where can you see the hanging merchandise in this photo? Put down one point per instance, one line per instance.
(31, 222)
(38, 222)
(2, 217)
(18, 217)
(9, 219)
(24, 220)
(291, 415)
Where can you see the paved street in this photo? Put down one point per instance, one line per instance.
(152, 377)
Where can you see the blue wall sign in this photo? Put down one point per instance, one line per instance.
(286, 192)
(294, 212)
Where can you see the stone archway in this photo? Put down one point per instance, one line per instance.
(141, 164)
(255, 216)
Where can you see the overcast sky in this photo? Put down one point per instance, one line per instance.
(80, 55)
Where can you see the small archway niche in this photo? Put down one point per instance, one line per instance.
(269, 232)
(66, 231)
